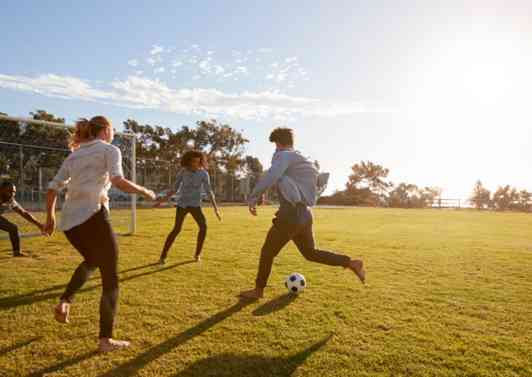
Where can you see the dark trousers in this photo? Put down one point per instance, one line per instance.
(293, 224)
(12, 229)
(95, 241)
(181, 213)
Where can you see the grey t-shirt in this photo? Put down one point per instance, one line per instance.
(189, 187)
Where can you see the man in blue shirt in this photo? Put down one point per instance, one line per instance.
(297, 182)
(191, 181)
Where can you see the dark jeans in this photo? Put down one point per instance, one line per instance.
(12, 229)
(293, 223)
(95, 241)
(181, 213)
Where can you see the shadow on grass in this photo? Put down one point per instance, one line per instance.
(232, 365)
(40, 295)
(64, 364)
(6, 350)
(274, 305)
(133, 366)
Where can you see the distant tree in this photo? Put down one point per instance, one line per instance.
(503, 198)
(367, 184)
(481, 197)
(525, 200)
(23, 163)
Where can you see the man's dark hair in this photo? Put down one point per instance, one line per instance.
(188, 156)
(283, 136)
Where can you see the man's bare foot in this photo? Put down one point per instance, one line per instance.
(109, 345)
(357, 266)
(197, 258)
(254, 294)
(20, 254)
(62, 312)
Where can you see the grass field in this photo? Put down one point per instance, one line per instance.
(449, 294)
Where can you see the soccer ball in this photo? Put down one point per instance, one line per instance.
(295, 283)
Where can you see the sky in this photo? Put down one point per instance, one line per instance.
(438, 92)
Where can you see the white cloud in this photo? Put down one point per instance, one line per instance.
(139, 92)
(156, 50)
(133, 62)
(151, 61)
(159, 70)
(290, 60)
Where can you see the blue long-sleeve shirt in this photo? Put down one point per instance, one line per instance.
(189, 185)
(296, 177)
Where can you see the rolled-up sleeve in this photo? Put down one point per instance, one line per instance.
(61, 178)
(280, 163)
(178, 180)
(113, 161)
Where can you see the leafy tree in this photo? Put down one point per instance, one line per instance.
(367, 184)
(503, 198)
(481, 197)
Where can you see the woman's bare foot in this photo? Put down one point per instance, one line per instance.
(197, 258)
(357, 266)
(254, 294)
(109, 345)
(62, 312)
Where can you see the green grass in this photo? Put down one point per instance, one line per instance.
(449, 294)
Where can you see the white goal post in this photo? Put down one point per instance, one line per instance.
(30, 160)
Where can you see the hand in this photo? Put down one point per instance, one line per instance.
(50, 225)
(218, 214)
(149, 194)
(253, 209)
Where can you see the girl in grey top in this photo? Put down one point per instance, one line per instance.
(191, 182)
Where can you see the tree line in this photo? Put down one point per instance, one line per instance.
(158, 151)
(503, 199)
(368, 185)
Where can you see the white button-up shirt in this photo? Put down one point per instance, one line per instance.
(86, 173)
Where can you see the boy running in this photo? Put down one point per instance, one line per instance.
(8, 203)
(296, 180)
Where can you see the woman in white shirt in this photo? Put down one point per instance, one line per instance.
(88, 173)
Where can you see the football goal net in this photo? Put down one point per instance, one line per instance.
(31, 152)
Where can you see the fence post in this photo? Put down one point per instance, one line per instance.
(21, 167)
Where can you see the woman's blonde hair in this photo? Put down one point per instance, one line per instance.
(86, 130)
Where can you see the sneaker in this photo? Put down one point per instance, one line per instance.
(110, 345)
(62, 312)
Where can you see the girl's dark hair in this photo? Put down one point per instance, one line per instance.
(188, 156)
(6, 184)
(284, 136)
(86, 130)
